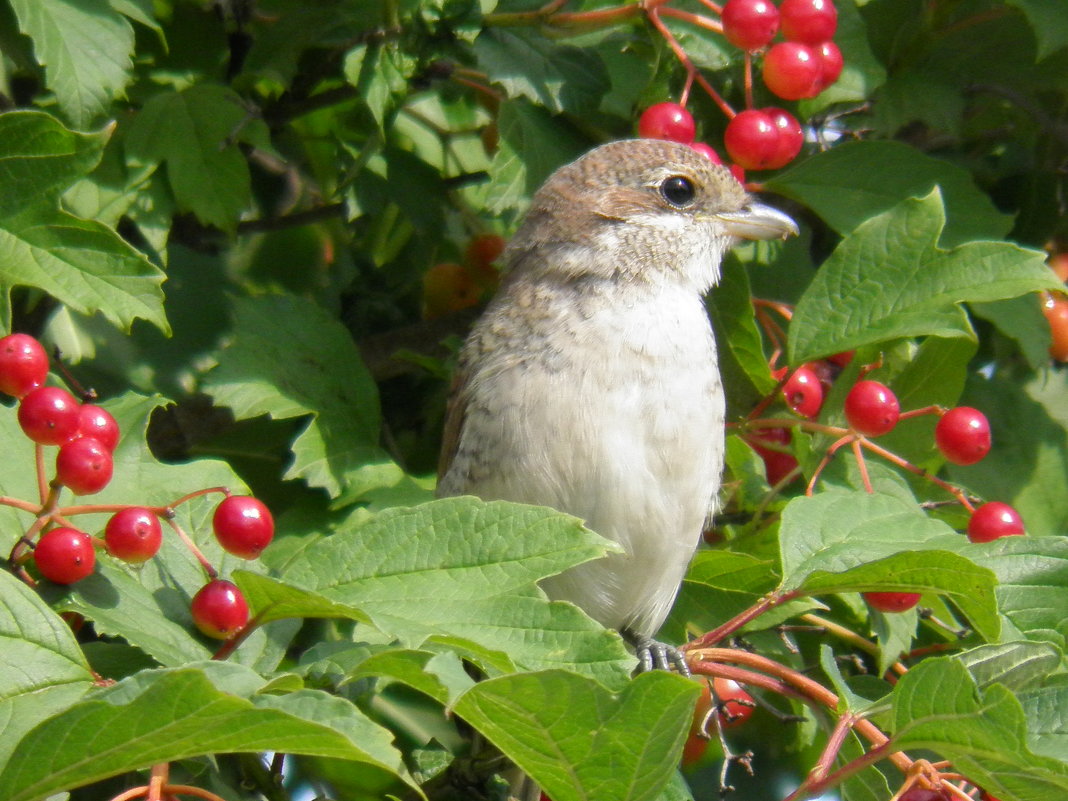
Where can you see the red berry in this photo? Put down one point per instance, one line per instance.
(831, 64)
(892, 601)
(791, 137)
(84, 465)
(963, 435)
(98, 423)
(871, 408)
(803, 392)
(985, 796)
(1055, 307)
(808, 21)
(735, 706)
(23, 364)
(64, 555)
(667, 121)
(707, 151)
(484, 249)
(777, 464)
(842, 359)
(994, 520)
(243, 525)
(752, 140)
(219, 609)
(133, 535)
(750, 24)
(792, 70)
(49, 415)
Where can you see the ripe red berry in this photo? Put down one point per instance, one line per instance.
(23, 364)
(84, 465)
(831, 64)
(994, 520)
(243, 525)
(892, 601)
(219, 609)
(484, 249)
(803, 392)
(49, 415)
(792, 70)
(133, 535)
(1055, 307)
(64, 555)
(751, 139)
(777, 464)
(843, 359)
(98, 423)
(963, 435)
(667, 121)
(791, 137)
(707, 151)
(871, 408)
(750, 24)
(808, 21)
(735, 705)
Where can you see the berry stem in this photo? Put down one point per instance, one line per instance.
(862, 466)
(192, 546)
(826, 460)
(42, 472)
(700, 20)
(725, 630)
(893, 458)
(851, 637)
(160, 511)
(749, 83)
(715, 9)
(230, 645)
(18, 503)
(22, 548)
(653, 15)
(933, 409)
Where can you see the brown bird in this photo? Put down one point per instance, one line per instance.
(590, 384)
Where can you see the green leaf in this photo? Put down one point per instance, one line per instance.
(533, 144)
(1017, 665)
(440, 676)
(856, 181)
(1048, 23)
(196, 133)
(736, 325)
(83, 264)
(39, 158)
(1020, 319)
(289, 358)
(856, 541)
(937, 706)
(1047, 719)
(42, 669)
(557, 76)
(464, 571)
(161, 716)
(889, 279)
(1032, 573)
(85, 47)
(578, 741)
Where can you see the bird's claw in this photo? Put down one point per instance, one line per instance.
(655, 655)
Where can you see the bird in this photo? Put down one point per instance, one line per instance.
(590, 383)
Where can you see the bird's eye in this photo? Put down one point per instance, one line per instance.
(678, 191)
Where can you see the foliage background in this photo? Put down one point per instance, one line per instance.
(222, 216)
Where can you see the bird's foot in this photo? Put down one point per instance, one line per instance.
(655, 655)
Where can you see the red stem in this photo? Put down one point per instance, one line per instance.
(42, 474)
(725, 630)
(192, 546)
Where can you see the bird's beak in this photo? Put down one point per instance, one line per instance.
(757, 221)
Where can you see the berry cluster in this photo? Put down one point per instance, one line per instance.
(85, 436)
(871, 409)
(802, 66)
(451, 286)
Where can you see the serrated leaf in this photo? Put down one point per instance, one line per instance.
(464, 571)
(39, 158)
(1047, 719)
(937, 706)
(856, 541)
(85, 47)
(559, 77)
(577, 740)
(196, 132)
(83, 264)
(1017, 665)
(167, 715)
(853, 182)
(890, 279)
(42, 669)
(532, 145)
(1032, 573)
(289, 358)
